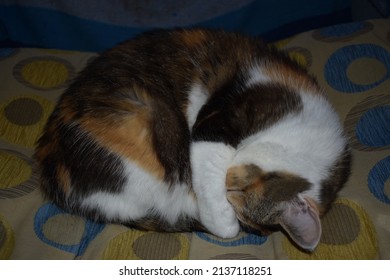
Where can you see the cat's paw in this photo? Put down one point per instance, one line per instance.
(228, 229)
(224, 225)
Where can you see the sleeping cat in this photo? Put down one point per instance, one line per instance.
(195, 129)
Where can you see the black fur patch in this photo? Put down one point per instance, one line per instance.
(155, 223)
(235, 112)
(92, 167)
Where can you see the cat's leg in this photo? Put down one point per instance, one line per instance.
(209, 163)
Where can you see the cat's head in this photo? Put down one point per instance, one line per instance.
(267, 199)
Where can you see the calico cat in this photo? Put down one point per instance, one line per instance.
(195, 129)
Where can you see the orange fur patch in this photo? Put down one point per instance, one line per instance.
(193, 38)
(289, 77)
(129, 137)
(49, 148)
(233, 177)
(67, 112)
(132, 136)
(63, 177)
(242, 182)
(244, 178)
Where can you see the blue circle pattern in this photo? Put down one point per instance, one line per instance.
(5, 52)
(377, 178)
(373, 128)
(343, 30)
(337, 65)
(249, 239)
(49, 210)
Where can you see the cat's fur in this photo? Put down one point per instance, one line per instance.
(195, 130)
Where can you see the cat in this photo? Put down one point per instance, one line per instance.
(195, 129)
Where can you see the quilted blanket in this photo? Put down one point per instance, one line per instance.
(352, 63)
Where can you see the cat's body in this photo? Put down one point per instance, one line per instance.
(192, 129)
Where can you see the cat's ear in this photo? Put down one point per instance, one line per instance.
(300, 219)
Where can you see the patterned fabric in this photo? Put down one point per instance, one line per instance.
(351, 61)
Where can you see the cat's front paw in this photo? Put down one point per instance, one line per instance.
(225, 225)
(230, 230)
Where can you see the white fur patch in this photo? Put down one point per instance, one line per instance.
(197, 97)
(209, 162)
(256, 76)
(305, 144)
(142, 195)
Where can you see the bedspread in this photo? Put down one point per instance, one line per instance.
(352, 63)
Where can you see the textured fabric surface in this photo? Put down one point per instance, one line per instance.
(351, 62)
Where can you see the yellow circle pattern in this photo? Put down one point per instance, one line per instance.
(44, 73)
(7, 239)
(298, 57)
(173, 246)
(364, 246)
(282, 43)
(24, 135)
(13, 170)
